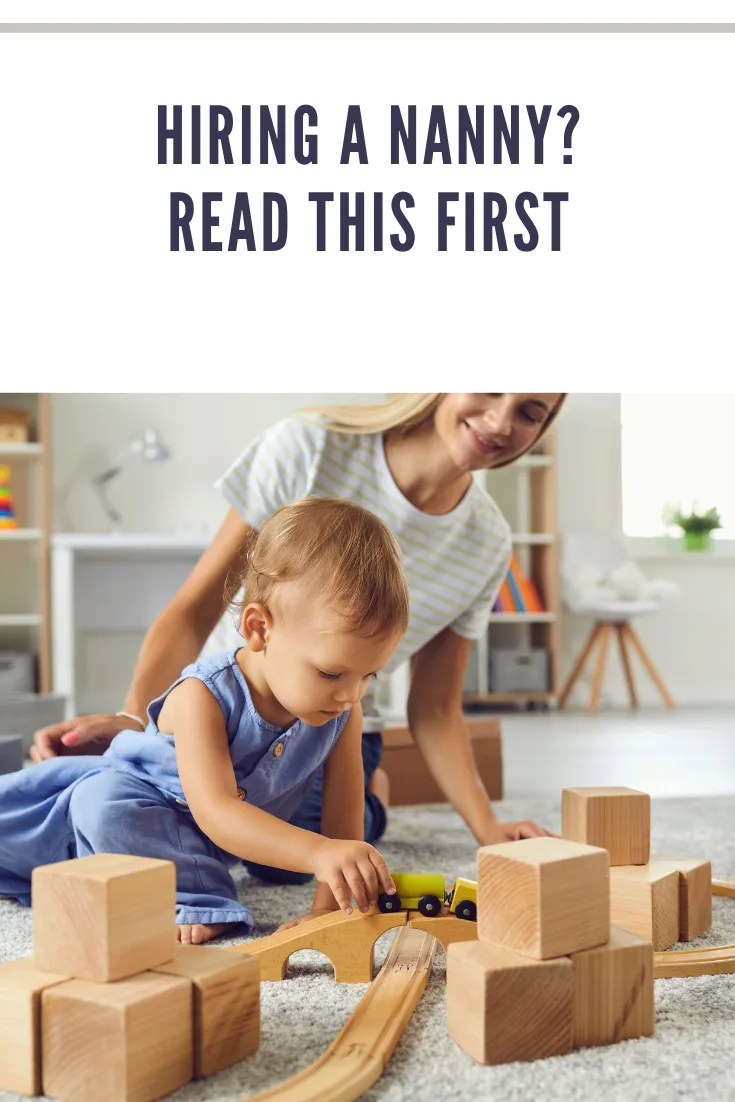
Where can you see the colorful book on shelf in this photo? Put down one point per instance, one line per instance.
(517, 592)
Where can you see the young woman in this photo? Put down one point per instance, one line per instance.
(410, 461)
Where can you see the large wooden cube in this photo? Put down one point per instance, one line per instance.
(130, 1041)
(503, 1006)
(613, 991)
(695, 893)
(21, 985)
(618, 819)
(226, 1004)
(644, 900)
(104, 917)
(546, 897)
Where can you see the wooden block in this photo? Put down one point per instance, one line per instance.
(546, 897)
(617, 819)
(695, 893)
(613, 991)
(503, 1006)
(104, 917)
(645, 901)
(21, 984)
(226, 1004)
(130, 1041)
(410, 779)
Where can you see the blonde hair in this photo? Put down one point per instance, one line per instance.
(403, 413)
(351, 558)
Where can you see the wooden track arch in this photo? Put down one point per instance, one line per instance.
(698, 962)
(348, 941)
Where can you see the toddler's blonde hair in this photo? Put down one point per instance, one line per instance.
(349, 556)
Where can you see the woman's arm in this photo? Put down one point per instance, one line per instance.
(348, 868)
(437, 722)
(174, 640)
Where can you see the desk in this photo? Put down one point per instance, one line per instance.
(110, 583)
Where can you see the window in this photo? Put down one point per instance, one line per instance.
(677, 448)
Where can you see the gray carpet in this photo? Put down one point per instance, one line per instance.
(691, 1055)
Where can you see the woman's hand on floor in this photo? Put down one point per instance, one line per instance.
(513, 832)
(82, 735)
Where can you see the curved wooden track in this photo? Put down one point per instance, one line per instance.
(698, 962)
(360, 1052)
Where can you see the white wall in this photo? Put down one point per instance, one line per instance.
(205, 433)
(692, 641)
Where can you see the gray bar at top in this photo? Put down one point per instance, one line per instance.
(367, 28)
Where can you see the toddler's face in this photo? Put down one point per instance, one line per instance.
(315, 668)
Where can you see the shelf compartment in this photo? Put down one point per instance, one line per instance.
(20, 451)
(20, 619)
(20, 535)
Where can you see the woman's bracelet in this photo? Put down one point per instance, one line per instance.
(129, 715)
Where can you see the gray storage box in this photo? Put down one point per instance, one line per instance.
(516, 670)
(11, 753)
(16, 672)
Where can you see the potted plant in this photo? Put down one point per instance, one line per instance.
(696, 524)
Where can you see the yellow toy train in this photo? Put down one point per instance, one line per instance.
(427, 893)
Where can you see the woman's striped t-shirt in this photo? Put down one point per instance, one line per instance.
(454, 564)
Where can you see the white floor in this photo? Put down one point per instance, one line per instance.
(685, 752)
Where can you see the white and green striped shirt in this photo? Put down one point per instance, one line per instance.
(454, 564)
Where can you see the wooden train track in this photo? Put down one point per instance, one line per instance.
(698, 962)
(361, 1050)
(348, 941)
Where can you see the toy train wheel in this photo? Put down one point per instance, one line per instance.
(389, 903)
(466, 910)
(429, 906)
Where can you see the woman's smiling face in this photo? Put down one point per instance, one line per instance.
(483, 430)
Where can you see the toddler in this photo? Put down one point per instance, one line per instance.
(231, 748)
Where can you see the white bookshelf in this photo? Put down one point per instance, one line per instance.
(24, 551)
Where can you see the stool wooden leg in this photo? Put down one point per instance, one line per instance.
(625, 659)
(578, 666)
(649, 666)
(605, 633)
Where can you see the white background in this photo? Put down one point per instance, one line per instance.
(640, 296)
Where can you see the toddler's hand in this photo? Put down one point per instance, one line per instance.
(351, 868)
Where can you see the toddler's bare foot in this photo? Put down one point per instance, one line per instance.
(197, 935)
(379, 784)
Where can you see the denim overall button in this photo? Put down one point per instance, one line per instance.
(242, 793)
(278, 750)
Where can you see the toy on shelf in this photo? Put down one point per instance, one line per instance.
(427, 893)
(7, 508)
(76, 1020)
(15, 425)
